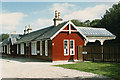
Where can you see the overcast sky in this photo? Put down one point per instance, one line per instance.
(17, 15)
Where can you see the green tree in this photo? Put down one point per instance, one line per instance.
(95, 23)
(3, 36)
(111, 20)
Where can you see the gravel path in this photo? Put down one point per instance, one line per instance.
(16, 69)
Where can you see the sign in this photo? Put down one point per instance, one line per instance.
(84, 52)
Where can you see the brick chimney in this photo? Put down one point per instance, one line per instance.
(57, 20)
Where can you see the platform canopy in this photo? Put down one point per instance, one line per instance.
(93, 34)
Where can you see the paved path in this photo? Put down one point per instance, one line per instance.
(17, 69)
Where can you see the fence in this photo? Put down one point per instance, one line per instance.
(101, 53)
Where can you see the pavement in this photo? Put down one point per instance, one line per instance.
(20, 68)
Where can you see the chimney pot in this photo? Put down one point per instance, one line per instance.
(56, 14)
(25, 31)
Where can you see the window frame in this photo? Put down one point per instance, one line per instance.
(35, 48)
(46, 47)
(67, 47)
(40, 48)
(73, 46)
(22, 48)
(17, 48)
(9, 49)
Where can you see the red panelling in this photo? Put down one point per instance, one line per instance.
(66, 28)
(58, 47)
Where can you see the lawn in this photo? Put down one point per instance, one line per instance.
(102, 68)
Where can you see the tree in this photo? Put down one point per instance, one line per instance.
(82, 24)
(95, 23)
(3, 37)
(111, 20)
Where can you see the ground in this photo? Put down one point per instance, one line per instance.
(31, 68)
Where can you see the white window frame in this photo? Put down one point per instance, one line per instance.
(9, 49)
(40, 48)
(4, 49)
(67, 47)
(22, 48)
(34, 48)
(73, 49)
(17, 48)
(46, 47)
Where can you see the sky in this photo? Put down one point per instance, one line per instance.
(17, 15)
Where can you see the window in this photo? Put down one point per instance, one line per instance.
(22, 48)
(4, 48)
(72, 47)
(40, 48)
(66, 47)
(34, 50)
(17, 48)
(46, 48)
(9, 49)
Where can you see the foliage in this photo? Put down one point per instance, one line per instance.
(3, 36)
(102, 68)
(111, 20)
(95, 22)
(82, 24)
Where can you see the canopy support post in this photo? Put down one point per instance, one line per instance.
(102, 41)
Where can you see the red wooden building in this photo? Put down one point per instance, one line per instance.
(60, 41)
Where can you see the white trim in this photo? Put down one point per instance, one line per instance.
(17, 49)
(70, 30)
(40, 48)
(22, 48)
(46, 47)
(73, 49)
(33, 48)
(69, 22)
(59, 30)
(67, 47)
(9, 49)
(4, 48)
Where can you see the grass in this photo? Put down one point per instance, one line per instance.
(102, 68)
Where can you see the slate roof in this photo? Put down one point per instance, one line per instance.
(14, 37)
(95, 32)
(45, 33)
(6, 41)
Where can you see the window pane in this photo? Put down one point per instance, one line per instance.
(66, 52)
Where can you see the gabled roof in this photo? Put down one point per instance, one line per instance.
(52, 31)
(41, 34)
(95, 32)
(14, 37)
(5, 42)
